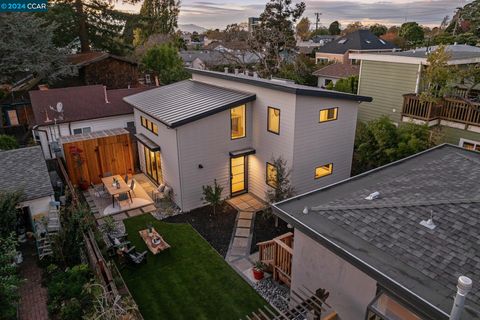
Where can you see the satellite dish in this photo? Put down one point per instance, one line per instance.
(59, 107)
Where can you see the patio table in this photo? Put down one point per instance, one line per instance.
(113, 190)
(148, 239)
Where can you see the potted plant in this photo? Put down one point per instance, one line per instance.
(259, 270)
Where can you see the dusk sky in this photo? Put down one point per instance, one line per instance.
(219, 13)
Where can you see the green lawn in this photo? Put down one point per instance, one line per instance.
(188, 281)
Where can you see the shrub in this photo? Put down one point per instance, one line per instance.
(8, 142)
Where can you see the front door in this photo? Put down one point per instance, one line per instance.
(153, 164)
(238, 175)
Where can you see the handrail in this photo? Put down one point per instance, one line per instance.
(75, 198)
(277, 254)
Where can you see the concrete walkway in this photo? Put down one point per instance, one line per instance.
(238, 255)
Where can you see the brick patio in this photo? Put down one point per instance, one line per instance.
(33, 297)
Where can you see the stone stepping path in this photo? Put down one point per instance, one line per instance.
(238, 255)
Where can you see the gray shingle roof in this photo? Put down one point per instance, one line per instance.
(386, 233)
(25, 169)
(456, 52)
(186, 101)
(359, 40)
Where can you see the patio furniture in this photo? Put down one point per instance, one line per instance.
(123, 199)
(135, 257)
(114, 190)
(162, 192)
(126, 178)
(114, 243)
(154, 241)
(132, 186)
(99, 191)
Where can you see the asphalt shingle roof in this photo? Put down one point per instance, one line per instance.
(386, 233)
(25, 169)
(359, 40)
(338, 70)
(186, 101)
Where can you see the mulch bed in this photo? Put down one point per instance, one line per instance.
(216, 229)
(264, 229)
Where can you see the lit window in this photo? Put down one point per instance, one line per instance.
(273, 120)
(470, 145)
(144, 122)
(323, 171)
(12, 117)
(149, 125)
(328, 114)
(271, 175)
(237, 117)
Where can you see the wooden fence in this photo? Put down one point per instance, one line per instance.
(277, 254)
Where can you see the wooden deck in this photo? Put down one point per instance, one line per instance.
(454, 109)
(277, 254)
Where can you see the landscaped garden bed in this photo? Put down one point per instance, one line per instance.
(264, 229)
(216, 228)
(189, 280)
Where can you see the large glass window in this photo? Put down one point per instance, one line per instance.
(237, 117)
(272, 175)
(323, 171)
(153, 165)
(273, 120)
(149, 125)
(328, 114)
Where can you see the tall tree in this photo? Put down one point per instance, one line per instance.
(303, 28)
(274, 37)
(24, 50)
(334, 28)
(378, 29)
(412, 32)
(158, 17)
(164, 61)
(357, 25)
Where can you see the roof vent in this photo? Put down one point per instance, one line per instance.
(305, 210)
(373, 196)
(429, 223)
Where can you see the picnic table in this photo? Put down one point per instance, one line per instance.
(154, 246)
(113, 190)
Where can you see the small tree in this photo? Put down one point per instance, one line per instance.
(303, 28)
(412, 32)
(439, 78)
(282, 188)
(348, 85)
(213, 195)
(10, 280)
(8, 212)
(163, 60)
(334, 28)
(7, 142)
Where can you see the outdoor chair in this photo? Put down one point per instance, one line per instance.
(162, 192)
(132, 186)
(123, 199)
(126, 178)
(135, 257)
(115, 242)
(98, 191)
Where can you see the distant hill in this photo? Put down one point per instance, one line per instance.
(191, 28)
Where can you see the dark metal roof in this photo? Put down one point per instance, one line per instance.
(384, 238)
(147, 142)
(359, 40)
(243, 152)
(285, 86)
(187, 101)
(25, 170)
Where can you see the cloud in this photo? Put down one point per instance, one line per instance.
(219, 13)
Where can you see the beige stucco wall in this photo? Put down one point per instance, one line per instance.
(342, 58)
(315, 267)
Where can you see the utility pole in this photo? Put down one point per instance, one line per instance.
(317, 20)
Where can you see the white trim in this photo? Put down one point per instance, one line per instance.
(405, 59)
(463, 140)
(359, 77)
(417, 82)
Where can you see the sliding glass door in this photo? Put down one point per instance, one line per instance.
(153, 165)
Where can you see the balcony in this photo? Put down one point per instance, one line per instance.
(450, 111)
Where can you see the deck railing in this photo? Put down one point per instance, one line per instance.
(449, 108)
(277, 255)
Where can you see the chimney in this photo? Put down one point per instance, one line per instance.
(105, 94)
(463, 288)
(225, 70)
(236, 71)
(43, 87)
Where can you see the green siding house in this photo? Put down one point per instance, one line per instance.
(394, 80)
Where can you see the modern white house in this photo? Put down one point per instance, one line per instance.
(78, 110)
(229, 128)
(393, 243)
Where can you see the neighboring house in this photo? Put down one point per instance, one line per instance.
(25, 170)
(308, 47)
(394, 80)
(103, 68)
(360, 41)
(334, 72)
(381, 259)
(78, 110)
(229, 128)
(206, 59)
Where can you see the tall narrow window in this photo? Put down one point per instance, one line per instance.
(328, 114)
(273, 120)
(323, 171)
(272, 175)
(12, 117)
(237, 117)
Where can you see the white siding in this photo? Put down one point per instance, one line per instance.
(38, 207)
(207, 142)
(315, 267)
(65, 129)
(167, 140)
(318, 144)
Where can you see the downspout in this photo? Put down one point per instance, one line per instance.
(179, 169)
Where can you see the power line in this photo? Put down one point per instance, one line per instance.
(317, 20)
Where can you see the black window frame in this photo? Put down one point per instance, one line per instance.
(268, 120)
(149, 125)
(231, 124)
